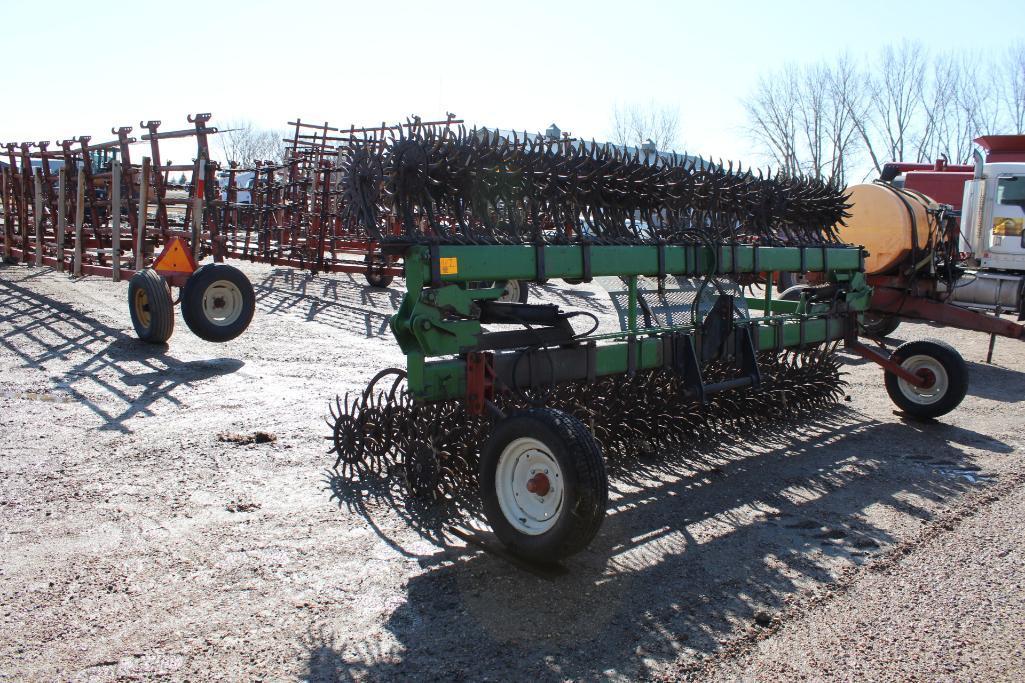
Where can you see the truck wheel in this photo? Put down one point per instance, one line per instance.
(218, 302)
(878, 324)
(543, 484)
(376, 277)
(149, 302)
(933, 360)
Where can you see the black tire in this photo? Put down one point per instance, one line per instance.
(584, 484)
(375, 275)
(213, 287)
(878, 324)
(151, 307)
(938, 358)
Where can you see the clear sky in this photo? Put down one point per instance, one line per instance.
(75, 67)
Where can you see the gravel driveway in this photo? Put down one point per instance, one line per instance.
(170, 512)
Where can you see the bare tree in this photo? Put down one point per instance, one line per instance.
(844, 105)
(772, 118)
(244, 144)
(801, 119)
(1014, 94)
(633, 125)
(896, 103)
(978, 103)
(906, 105)
(939, 130)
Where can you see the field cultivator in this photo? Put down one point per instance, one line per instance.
(88, 209)
(293, 213)
(525, 405)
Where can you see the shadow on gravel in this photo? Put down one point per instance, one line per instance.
(681, 564)
(995, 383)
(953, 434)
(121, 377)
(342, 300)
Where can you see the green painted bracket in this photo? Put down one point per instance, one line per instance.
(440, 321)
(519, 262)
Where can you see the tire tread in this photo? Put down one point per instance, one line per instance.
(161, 307)
(957, 378)
(590, 483)
(192, 302)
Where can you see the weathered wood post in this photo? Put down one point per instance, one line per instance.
(140, 233)
(115, 220)
(79, 219)
(37, 213)
(198, 204)
(62, 215)
(6, 205)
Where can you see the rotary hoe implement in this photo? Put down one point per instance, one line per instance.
(527, 404)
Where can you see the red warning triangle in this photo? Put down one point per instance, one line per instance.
(175, 258)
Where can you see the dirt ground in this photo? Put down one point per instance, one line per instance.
(138, 541)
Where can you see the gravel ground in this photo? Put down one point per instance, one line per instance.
(142, 538)
(948, 606)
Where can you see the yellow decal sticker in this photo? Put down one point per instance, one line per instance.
(1008, 226)
(449, 265)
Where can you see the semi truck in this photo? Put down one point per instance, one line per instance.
(945, 243)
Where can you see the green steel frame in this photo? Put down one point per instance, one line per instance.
(437, 325)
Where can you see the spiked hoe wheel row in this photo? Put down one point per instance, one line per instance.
(472, 187)
(532, 413)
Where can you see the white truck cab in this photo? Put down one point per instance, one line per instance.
(243, 184)
(993, 216)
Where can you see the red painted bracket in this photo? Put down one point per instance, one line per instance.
(480, 381)
(888, 364)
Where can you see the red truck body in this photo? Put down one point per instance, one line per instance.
(945, 182)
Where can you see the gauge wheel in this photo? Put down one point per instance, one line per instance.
(516, 292)
(151, 307)
(944, 369)
(878, 324)
(218, 302)
(543, 484)
(376, 276)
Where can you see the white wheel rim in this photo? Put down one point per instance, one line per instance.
(222, 303)
(523, 460)
(512, 292)
(924, 395)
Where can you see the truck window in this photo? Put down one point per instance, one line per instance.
(1011, 191)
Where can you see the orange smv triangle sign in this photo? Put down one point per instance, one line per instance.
(175, 258)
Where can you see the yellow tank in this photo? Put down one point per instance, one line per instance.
(887, 221)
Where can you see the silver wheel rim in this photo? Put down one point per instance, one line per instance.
(924, 396)
(520, 462)
(512, 292)
(222, 303)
